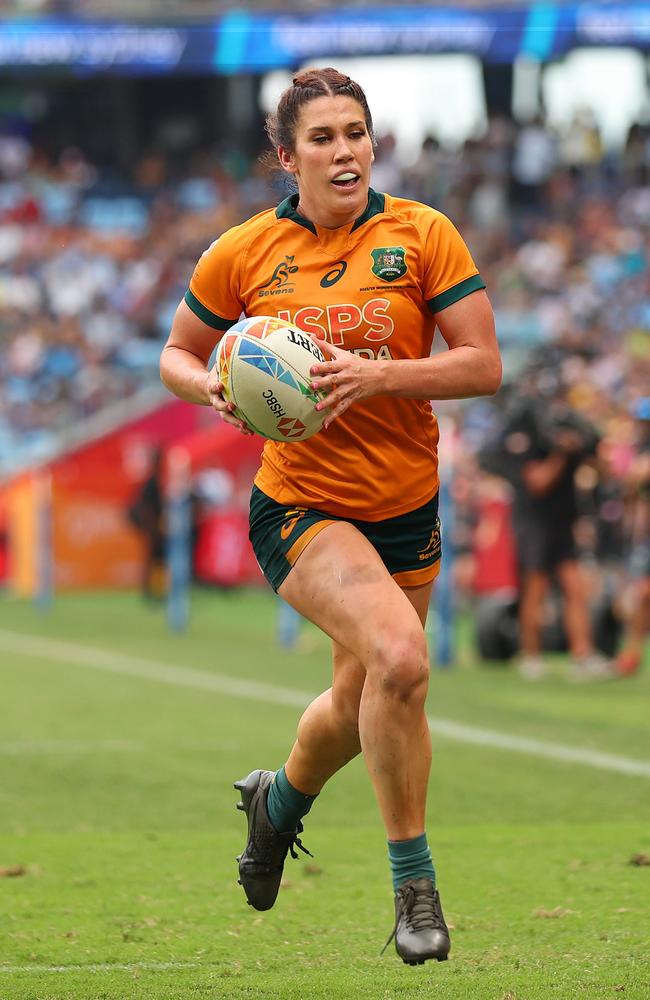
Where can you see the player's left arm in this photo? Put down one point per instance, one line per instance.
(471, 366)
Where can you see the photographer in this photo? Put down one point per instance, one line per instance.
(545, 442)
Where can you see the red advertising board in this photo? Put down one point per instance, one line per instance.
(94, 544)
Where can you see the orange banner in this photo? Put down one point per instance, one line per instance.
(20, 498)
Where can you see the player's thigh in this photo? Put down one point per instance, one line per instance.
(341, 584)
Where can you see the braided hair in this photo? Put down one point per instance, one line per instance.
(307, 86)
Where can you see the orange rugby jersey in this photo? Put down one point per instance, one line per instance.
(371, 287)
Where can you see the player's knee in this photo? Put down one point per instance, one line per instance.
(403, 666)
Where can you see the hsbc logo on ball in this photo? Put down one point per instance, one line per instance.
(291, 427)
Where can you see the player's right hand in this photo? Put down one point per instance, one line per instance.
(226, 410)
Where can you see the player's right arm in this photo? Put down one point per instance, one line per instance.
(210, 306)
(184, 365)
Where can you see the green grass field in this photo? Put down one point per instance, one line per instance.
(118, 748)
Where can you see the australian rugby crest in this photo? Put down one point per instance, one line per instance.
(389, 263)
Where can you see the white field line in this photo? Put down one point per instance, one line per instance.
(189, 677)
(35, 748)
(103, 967)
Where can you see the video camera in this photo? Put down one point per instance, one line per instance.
(532, 428)
(567, 430)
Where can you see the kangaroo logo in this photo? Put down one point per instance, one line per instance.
(280, 276)
(433, 546)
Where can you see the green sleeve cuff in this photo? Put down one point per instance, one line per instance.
(205, 314)
(457, 292)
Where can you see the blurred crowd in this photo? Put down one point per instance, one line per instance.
(92, 267)
(94, 262)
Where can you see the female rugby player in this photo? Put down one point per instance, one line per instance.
(345, 525)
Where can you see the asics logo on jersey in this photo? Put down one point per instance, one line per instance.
(280, 276)
(291, 520)
(333, 275)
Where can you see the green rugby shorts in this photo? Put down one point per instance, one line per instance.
(408, 544)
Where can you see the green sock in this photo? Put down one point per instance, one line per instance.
(410, 859)
(285, 805)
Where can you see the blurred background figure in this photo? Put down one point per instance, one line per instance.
(534, 159)
(637, 496)
(543, 443)
(146, 513)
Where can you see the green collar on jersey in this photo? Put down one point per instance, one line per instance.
(287, 210)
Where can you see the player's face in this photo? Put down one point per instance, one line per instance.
(331, 160)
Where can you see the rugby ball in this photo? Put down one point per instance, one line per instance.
(264, 365)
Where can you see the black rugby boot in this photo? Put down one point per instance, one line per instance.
(262, 861)
(420, 930)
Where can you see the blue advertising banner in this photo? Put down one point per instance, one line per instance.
(613, 24)
(276, 40)
(85, 47)
(244, 42)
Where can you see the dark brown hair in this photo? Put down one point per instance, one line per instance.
(307, 86)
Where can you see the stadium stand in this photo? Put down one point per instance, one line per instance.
(91, 270)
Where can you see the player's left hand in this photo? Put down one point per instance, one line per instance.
(346, 378)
